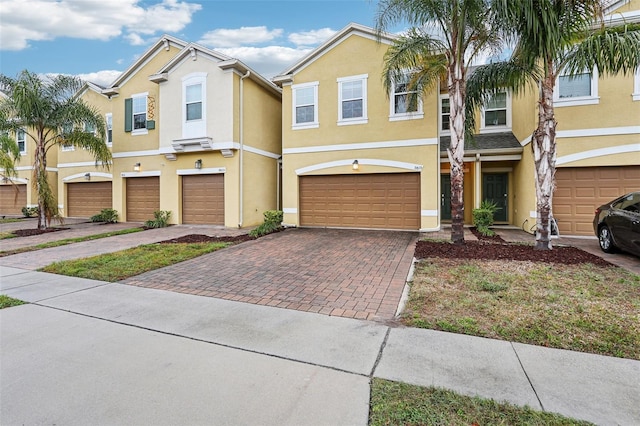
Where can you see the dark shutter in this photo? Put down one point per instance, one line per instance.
(151, 124)
(128, 115)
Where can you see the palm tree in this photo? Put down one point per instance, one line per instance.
(48, 111)
(553, 37)
(444, 39)
(9, 155)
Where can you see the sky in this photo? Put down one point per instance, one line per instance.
(98, 39)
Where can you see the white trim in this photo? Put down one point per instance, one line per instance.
(429, 213)
(409, 115)
(258, 151)
(363, 79)
(441, 131)
(108, 116)
(130, 154)
(429, 229)
(80, 164)
(16, 179)
(309, 124)
(636, 85)
(192, 128)
(92, 174)
(290, 210)
(364, 161)
(620, 149)
(208, 171)
(518, 157)
(140, 174)
(365, 145)
(592, 99)
(498, 128)
(604, 131)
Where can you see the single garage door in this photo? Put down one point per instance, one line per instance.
(143, 198)
(13, 198)
(85, 199)
(383, 201)
(203, 199)
(580, 190)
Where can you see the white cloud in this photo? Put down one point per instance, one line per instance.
(34, 20)
(268, 61)
(102, 78)
(227, 37)
(311, 38)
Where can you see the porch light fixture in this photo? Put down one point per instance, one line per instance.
(198, 164)
(136, 167)
(87, 176)
(355, 165)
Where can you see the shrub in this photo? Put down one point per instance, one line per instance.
(272, 223)
(483, 217)
(161, 219)
(106, 216)
(30, 211)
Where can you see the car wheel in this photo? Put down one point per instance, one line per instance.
(606, 242)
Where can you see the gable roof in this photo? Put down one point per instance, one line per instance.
(165, 42)
(224, 62)
(336, 39)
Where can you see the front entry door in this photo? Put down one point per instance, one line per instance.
(494, 189)
(445, 197)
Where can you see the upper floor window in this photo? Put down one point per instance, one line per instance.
(305, 105)
(497, 112)
(135, 114)
(352, 100)
(576, 89)
(636, 85)
(67, 128)
(445, 114)
(193, 102)
(21, 139)
(405, 103)
(89, 128)
(109, 121)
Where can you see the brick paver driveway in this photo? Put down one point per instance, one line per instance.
(349, 273)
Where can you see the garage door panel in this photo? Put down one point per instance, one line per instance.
(203, 199)
(13, 199)
(85, 199)
(581, 190)
(143, 198)
(364, 201)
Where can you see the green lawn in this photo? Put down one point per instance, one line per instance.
(128, 263)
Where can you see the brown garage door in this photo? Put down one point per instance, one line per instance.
(13, 198)
(85, 199)
(580, 190)
(143, 198)
(384, 201)
(203, 199)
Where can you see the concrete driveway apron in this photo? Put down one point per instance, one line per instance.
(349, 273)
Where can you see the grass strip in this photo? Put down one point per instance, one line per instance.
(67, 241)
(394, 403)
(7, 302)
(123, 264)
(577, 307)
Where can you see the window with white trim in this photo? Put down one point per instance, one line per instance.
(139, 112)
(109, 121)
(577, 89)
(90, 128)
(21, 140)
(445, 114)
(193, 102)
(636, 85)
(305, 105)
(67, 128)
(405, 103)
(352, 99)
(497, 111)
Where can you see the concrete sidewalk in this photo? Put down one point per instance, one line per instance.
(90, 352)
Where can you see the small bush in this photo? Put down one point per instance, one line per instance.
(483, 217)
(106, 216)
(272, 223)
(161, 219)
(30, 211)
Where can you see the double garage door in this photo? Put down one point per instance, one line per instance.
(580, 190)
(382, 201)
(85, 199)
(13, 199)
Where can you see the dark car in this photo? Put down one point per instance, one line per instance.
(617, 224)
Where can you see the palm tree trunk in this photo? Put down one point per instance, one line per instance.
(40, 173)
(456, 150)
(544, 155)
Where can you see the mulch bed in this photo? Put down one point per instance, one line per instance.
(505, 251)
(199, 238)
(30, 232)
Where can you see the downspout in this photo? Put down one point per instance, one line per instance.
(241, 153)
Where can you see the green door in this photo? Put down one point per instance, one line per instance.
(494, 188)
(445, 197)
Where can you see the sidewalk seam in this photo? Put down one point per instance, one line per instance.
(535, 392)
(379, 357)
